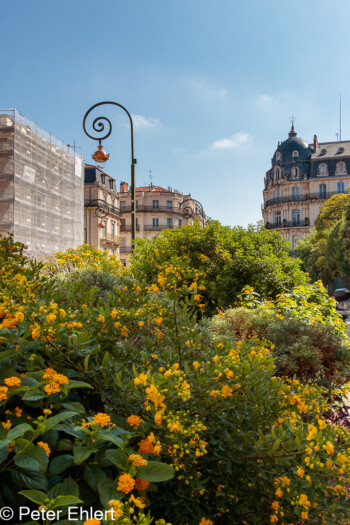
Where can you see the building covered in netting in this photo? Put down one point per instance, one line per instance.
(41, 187)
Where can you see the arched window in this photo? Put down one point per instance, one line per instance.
(340, 167)
(277, 173)
(295, 172)
(295, 154)
(323, 169)
(278, 155)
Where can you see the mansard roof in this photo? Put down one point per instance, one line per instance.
(334, 150)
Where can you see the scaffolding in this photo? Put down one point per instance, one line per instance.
(41, 187)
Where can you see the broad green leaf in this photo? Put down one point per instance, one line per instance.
(64, 501)
(66, 488)
(35, 459)
(54, 420)
(18, 431)
(63, 445)
(37, 496)
(113, 439)
(118, 458)
(82, 453)
(60, 463)
(93, 475)
(107, 489)
(4, 452)
(76, 406)
(156, 471)
(24, 479)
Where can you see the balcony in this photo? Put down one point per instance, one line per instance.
(150, 209)
(323, 195)
(125, 249)
(288, 224)
(99, 203)
(127, 228)
(158, 228)
(110, 238)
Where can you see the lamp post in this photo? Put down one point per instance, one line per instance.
(98, 125)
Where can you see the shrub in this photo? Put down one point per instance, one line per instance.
(242, 444)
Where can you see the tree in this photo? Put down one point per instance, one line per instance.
(219, 261)
(331, 211)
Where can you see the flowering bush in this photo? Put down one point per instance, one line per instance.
(109, 395)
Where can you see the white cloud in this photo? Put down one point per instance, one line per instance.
(176, 150)
(144, 122)
(207, 90)
(234, 141)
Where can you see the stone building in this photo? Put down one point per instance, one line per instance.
(157, 209)
(41, 187)
(302, 176)
(102, 217)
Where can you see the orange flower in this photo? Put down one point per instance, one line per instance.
(146, 447)
(137, 460)
(126, 483)
(134, 421)
(12, 381)
(45, 446)
(141, 484)
(102, 419)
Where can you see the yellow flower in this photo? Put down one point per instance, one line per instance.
(330, 448)
(117, 507)
(304, 516)
(137, 460)
(45, 446)
(125, 331)
(114, 313)
(141, 380)
(303, 501)
(36, 333)
(226, 391)
(102, 419)
(158, 419)
(322, 424)
(204, 521)
(195, 365)
(138, 502)
(93, 521)
(275, 506)
(126, 483)
(278, 493)
(101, 319)
(196, 297)
(300, 472)
(134, 421)
(12, 381)
(141, 324)
(51, 318)
(273, 519)
(159, 321)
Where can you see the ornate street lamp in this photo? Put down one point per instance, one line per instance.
(187, 211)
(100, 155)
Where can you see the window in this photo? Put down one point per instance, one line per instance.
(322, 190)
(295, 217)
(137, 204)
(323, 169)
(296, 193)
(169, 205)
(277, 173)
(278, 155)
(155, 223)
(295, 173)
(105, 229)
(295, 153)
(113, 203)
(113, 228)
(340, 167)
(341, 187)
(155, 205)
(122, 205)
(105, 197)
(103, 178)
(111, 183)
(277, 218)
(169, 223)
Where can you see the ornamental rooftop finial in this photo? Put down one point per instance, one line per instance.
(292, 132)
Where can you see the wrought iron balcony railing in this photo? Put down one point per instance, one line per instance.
(287, 224)
(110, 237)
(321, 195)
(151, 209)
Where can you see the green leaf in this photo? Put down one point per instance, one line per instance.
(34, 394)
(7, 354)
(64, 501)
(156, 471)
(86, 363)
(37, 496)
(63, 445)
(54, 420)
(93, 475)
(107, 489)
(18, 431)
(36, 459)
(113, 439)
(82, 453)
(60, 463)
(24, 479)
(118, 458)
(78, 384)
(105, 360)
(76, 406)
(66, 488)
(4, 452)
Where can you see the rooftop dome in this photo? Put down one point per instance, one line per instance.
(293, 144)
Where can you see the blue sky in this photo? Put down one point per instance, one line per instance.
(212, 84)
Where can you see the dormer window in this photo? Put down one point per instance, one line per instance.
(295, 154)
(340, 167)
(294, 173)
(323, 169)
(278, 155)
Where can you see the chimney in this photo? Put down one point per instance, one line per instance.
(124, 187)
(315, 143)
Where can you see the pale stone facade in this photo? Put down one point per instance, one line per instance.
(301, 178)
(102, 218)
(157, 209)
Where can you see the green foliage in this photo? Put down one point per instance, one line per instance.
(332, 211)
(124, 389)
(221, 260)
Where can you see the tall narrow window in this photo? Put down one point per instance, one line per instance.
(341, 187)
(113, 228)
(323, 169)
(169, 205)
(322, 190)
(294, 173)
(155, 223)
(155, 205)
(277, 173)
(295, 217)
(295, 193)
(169, 223)
(277, 218)
(340, 167)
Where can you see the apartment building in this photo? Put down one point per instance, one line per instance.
(157, 209)
(102, 217)
(302, 176)
(41, 187)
